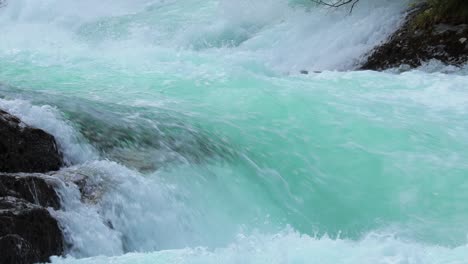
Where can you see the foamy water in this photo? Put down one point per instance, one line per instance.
(200, 142)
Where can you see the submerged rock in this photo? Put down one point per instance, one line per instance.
(412, 45)
(26, 149)
(28, 233)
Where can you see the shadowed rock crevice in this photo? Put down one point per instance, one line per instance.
(31, 188)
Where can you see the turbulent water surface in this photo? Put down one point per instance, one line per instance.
(202, 143)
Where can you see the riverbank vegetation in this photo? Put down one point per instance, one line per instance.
(443, 11)
(438, 11)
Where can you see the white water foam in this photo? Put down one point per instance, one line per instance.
(291, 247)
(232, 31)
(135, 212)
(120, 211)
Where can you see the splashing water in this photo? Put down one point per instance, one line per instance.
(200, 142)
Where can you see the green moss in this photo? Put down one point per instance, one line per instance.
(443, 11)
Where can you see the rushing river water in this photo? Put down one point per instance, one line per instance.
(202, 143)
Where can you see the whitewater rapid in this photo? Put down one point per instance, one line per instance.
(200, 141)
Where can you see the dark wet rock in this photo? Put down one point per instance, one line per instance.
(16, 250)
(304, 72)
(28, 233)
(32, 188)
(411, 45)
(26, 149)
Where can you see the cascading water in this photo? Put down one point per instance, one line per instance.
(200, 142)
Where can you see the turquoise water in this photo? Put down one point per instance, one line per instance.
(202, 143)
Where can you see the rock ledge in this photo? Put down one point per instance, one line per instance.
(26, 149)
(411, 46)
(28, 232)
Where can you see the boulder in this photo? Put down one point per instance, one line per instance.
(28, 233)
(411, 46)
(26, 149)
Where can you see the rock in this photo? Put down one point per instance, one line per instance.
(16, 250)
(443, 42)
(28, 233)
(26, 149)
(91, 191)
(444, 28)
(30, 187)
(304, 72)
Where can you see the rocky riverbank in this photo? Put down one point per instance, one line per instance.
(28, 232)
(413, 44)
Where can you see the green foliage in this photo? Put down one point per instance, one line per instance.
(438, 11)
(443, 11)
